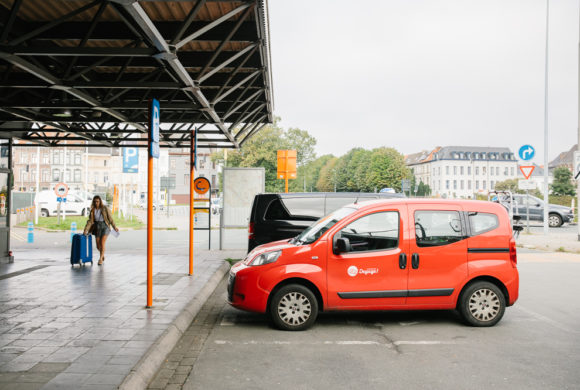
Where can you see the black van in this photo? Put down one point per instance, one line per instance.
(279, 216)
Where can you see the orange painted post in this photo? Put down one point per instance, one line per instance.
(150, 231)
(153, 152)
(192, 153)
(286, 166)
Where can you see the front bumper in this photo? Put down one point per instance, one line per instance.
(244, 292)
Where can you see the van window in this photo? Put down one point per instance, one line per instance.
(295, 208)
(333, 203)
(482, 222)
(378, 231)
(436, 228)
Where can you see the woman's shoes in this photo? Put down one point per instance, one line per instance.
(101, 260)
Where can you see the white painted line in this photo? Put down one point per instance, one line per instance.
(409, 323)
(424, 342)
(17, 236)
(334, 342)
(228, 320)
(545, 319)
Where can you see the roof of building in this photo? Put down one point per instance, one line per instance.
(461, 153)
(564, 158)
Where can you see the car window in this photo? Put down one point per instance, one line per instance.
(377, 231)
(482, 222)
(436, 228)
(333, 204)
(316, 230)
(295, 208)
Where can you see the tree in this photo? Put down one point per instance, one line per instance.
(509, 185)
(386, 169)
(261, 151)
(327, 177)
(562, 184)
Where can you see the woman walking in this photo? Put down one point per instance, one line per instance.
(100, 223)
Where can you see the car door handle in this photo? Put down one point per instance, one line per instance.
(415, 261)
(402, 261)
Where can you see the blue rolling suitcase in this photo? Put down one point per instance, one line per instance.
(82, 250)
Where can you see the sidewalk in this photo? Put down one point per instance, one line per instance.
(556, 241)
(87, 328)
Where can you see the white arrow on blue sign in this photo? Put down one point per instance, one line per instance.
(527, 152)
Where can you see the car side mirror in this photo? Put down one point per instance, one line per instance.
(341, 245)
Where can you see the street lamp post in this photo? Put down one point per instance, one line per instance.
(546, 162)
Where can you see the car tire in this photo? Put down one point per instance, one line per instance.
(44, 213)
(554, 220)
(293, 307)
(482, 304)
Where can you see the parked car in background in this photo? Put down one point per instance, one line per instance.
(557, 215)
(47, 204)
(278, 216)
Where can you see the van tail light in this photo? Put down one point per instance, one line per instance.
(251, 231)
(513, 253)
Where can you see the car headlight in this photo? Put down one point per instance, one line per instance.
(265, 258)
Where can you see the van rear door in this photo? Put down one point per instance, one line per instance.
(438, 251)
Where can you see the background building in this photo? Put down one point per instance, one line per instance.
(463, 171)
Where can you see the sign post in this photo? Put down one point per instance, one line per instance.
(61, 191)
(576, 174)
(153, 153)
(527, 185)
(202, 186)
(526, 153)
(193, 154)
(286, 166)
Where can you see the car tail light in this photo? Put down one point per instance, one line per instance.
(251, 231)
(513, 253)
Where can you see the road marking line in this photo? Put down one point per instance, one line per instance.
(409, 323)
(545, 319)
(425, 342)
(228, 320)
(17, 236)
(338, 342)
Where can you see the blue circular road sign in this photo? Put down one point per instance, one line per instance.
(527, 152)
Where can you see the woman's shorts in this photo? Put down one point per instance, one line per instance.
(101, 229)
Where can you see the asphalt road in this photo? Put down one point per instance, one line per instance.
(535, 346)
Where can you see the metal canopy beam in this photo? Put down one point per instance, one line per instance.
(101, 60)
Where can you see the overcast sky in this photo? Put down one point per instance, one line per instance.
(423, 73)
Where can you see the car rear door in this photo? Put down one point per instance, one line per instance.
(438, 248)
(373, 274)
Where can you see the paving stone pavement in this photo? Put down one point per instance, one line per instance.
(180, 363)
(86, 327)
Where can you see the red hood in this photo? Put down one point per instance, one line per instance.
(270, 247)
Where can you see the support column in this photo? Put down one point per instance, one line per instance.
(192, 153)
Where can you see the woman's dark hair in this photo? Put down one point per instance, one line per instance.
(100, 202)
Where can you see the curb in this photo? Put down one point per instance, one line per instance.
(144, 371)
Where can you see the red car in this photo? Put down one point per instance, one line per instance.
(399, 254)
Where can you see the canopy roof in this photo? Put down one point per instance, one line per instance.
(81, 70)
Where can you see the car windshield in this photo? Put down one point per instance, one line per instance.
(316, 230)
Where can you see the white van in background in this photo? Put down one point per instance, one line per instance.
(48, 206)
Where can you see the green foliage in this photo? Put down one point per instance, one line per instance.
(423, 189)
(562, 184)
(509, 185)
(51, 223)
(364, 170)
(308, 175)
(261, 151)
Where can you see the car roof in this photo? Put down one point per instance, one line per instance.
(463, 203)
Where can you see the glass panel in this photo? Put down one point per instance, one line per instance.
(3, 199)
(483, 222)
(436, 228)
(378, 231)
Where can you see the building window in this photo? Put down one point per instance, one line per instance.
(45, 158)
(454, 184)
(446, 184)
(55, 175)
(45, 175)
(505, 171)
(67, 157)
(477, 184)
(469, 170)
(172, 163)
(484, 184)
(77, 175)
(461, 170)
(447, 170)
(32, 174)
(67, 176)
(484, 170)
(33, 157)
(461, 184)
(468, 184)
(105, 178)
(455, 170)
(24, 157)
(56, 157)
(77, 158)
(491, 186)
(96, 180)
(104, 163)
